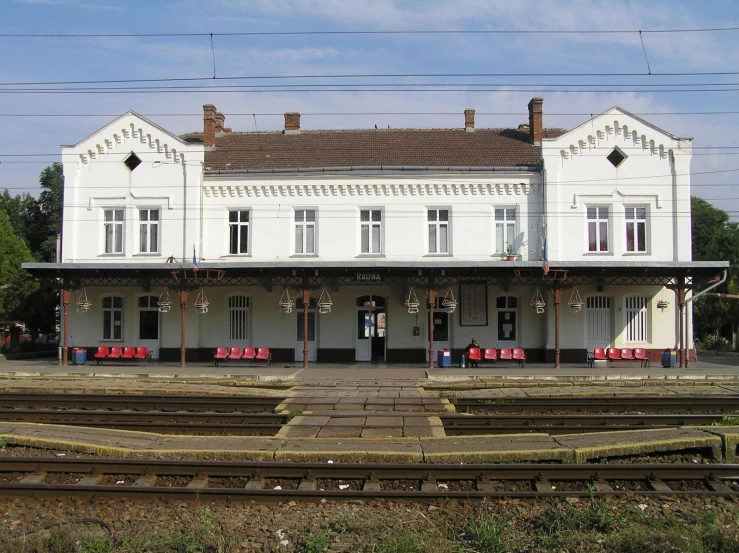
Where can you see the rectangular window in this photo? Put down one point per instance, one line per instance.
(112, 318)
(149, 230)
(238, 232)
(636, 319)
(597, 229)
(438, 221)
(636, 229)
(305, 231)
(505, 229)
(113, 230)
(238, 318)
(370, 221)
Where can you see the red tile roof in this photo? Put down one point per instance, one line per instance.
(373, 148)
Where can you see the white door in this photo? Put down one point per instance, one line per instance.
(150, 325)
(312, 321)
(442, 328)
(238, 321)
(599, 322)
(371, 325)
(506, 313)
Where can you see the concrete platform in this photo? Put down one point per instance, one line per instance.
(721, 443)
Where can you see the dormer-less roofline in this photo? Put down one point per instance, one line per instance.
(138, 116)
(617, 109)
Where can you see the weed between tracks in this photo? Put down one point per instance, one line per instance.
(659, 525)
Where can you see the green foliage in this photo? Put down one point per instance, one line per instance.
(720, 540)
(13, 252)
(646, 540)
(316, 543)
(715, 238)
(400, 543)
(487, 534)
(186, 542)
(727, 420)
(96, 545)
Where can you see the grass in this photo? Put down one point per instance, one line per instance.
(494, 401)
(727, 421)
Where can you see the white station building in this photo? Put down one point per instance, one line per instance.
(319, 244)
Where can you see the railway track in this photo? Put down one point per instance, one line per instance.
(271, 481)
(268, 424)
(615, 404)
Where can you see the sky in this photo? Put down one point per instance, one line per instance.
(357, 51)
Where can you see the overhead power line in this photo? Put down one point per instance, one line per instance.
(369, 76)
(395, 32)
(362, 113)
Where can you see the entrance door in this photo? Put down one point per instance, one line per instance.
(507, 323)
(312, 350)
(149, 324)
(599, 322)
(371, 325)
(442, 338)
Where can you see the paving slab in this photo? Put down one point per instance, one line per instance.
(495, 449)
(360, 450)
(634, 442)
(340, 432)
(380, 432)
(730, 438)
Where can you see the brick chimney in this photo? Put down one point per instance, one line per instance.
(469, 120)
(535, 119)
(292, 122)
(209, 125)
(220, 120)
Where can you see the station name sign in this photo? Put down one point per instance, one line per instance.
(369, 277)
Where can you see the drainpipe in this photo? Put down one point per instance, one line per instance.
(693, 298)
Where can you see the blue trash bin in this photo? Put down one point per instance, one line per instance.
(79, 356)
(669, 358)
(444, 358)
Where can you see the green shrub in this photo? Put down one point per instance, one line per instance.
(647, 540)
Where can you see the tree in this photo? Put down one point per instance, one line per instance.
(13, 252)
(50, 203)
(715, 238)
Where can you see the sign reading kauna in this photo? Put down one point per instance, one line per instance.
(369, 277)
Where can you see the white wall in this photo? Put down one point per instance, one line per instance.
(654, 174)
(168, 179)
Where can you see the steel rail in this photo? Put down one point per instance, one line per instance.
(262, 424)
(175, 402)
(488, 479)
(602, 404)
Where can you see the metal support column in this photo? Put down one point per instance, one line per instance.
(183, 310)
(681, 326)
(66, 297)
(431, 305)
(557, 295)
(306, 304)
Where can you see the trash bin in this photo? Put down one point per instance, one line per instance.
(444, 358)
(669, 358)
(79, 356)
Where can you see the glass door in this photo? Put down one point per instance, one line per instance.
(149, 323)
(371, 325)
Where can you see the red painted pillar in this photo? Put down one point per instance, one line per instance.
(306, 305)
(66, 296)
(432, 304)
(183, 310)
(557, 294)
(681, 326)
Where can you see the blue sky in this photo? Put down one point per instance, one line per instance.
(396, 55)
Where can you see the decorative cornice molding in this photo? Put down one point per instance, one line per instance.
(124, 136)
(614, 134)
(612, 196)
(380, 189)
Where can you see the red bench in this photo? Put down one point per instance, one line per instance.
(126, 353)
(615, 354)
(504, 354)
(238, 354)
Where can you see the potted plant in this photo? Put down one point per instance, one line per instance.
(324, 302)
(449, 303)
(83, 304)
(576, 304)
(662, 304)
(164, 303)
(510, 253)
(201, 303)
(286, 304)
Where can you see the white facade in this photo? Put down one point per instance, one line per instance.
(612, 193)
